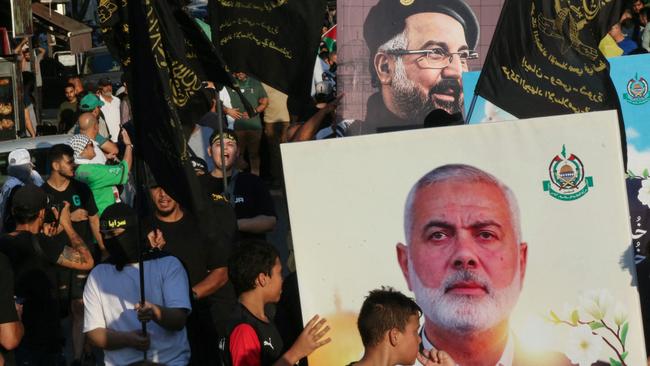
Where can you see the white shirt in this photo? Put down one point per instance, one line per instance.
(111, 111)
(99, 158)
(225, 99)
(199, 142)
(110, 297)
(506, 359)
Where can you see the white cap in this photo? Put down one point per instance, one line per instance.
(19, 157)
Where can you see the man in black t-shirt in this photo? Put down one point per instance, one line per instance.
(11, 329)
(62, 187)
(246, 192)
(33, 255)
(205, 262)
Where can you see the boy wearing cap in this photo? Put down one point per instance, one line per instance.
(20, 171)
(112, 293)
(102, 179)
(110, 107)
(33, 256)
(245, 192)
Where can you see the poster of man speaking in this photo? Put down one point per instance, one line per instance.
(407, 67)
(517, 253)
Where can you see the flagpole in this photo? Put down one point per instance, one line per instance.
(219, 111)
(468, 119)
(135, 7)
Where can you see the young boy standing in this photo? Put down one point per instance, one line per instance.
(256, 274)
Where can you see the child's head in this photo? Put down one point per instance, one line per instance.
(255, 265)
(389, 316)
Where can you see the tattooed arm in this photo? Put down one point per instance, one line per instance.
(76, 256)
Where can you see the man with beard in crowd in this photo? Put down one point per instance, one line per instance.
(206, 265)
(110, 108)
(113, 292)
(419, 51)
(34, 249)
(62, 187)
(465, 261)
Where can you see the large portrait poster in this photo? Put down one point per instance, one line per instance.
(571, 296)
(397, 91)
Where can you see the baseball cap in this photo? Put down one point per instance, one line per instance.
(118, 215)
(90, 102)
(28, 200)
(19, 157)
(227, 135)
(387, 19)
(78, 143)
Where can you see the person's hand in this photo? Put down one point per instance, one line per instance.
(125, 137)
(233, 112)
(156, 239)
(19, 310)
(311, 337)
(138, 340)
(147, 312)
(79, 215)
(331, 106)
(435, 358)
(64, 215)
(245, 115)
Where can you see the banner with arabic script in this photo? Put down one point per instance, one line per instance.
(276, 41)
(188, 53)
(544, 59)
(167, 67)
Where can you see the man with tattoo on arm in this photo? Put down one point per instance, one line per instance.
(33, 252)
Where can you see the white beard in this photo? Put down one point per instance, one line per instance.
(462, 314)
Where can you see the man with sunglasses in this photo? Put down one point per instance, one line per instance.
(418, 52)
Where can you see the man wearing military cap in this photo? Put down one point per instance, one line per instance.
(418, 52)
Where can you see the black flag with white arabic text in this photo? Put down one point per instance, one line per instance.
(544, 59)
(275, 41)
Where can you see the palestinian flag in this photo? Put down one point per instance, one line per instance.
(329, 38)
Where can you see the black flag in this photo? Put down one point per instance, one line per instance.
(275, 41)
(544, 58)
(167, 57)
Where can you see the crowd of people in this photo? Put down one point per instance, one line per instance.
(631, 35)
(157, 287)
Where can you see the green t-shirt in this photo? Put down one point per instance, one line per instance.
(252, 91)
(102, 180)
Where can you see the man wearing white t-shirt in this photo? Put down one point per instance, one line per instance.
(111, 107)
(112, 297)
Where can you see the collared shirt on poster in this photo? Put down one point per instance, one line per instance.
(506, 359)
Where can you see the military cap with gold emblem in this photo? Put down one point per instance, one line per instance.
(387, 19)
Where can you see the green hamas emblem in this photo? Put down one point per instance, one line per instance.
(568, 181)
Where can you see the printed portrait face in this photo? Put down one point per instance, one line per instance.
(463, 259)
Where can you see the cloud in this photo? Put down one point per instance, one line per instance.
(631, 133)
(637, 160)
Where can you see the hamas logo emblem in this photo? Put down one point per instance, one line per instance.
(637, 91)
(567, 178)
